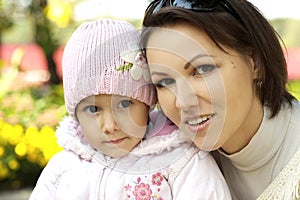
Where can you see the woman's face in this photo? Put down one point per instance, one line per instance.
(206, 92)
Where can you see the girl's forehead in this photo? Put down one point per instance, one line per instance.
(104, 98)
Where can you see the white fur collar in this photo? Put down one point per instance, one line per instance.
(158, 144)
(68, 137)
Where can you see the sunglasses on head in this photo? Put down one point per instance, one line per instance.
(194, 5)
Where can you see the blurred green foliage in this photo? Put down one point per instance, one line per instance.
(28, 119)
(29, 105)
(289, 30)
(5, 19)
(294, 88)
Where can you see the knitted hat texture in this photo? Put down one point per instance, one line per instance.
(102, 57)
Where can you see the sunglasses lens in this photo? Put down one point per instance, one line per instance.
(197, 5)
(156, 5)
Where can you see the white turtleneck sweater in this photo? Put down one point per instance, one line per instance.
(250, 171)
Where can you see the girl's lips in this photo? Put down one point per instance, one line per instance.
(116, 141)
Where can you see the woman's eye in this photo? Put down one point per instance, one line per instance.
(124, 104)
(92, 109)
(204, 69)
(164, 82)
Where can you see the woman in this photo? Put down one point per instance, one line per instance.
(221, 76)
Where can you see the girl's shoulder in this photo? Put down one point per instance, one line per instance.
(65, 174)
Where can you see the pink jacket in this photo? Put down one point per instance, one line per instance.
(164, 166)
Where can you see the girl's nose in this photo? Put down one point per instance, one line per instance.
(108, 123)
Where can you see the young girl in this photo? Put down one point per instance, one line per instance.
(226, 59)
(110, 150)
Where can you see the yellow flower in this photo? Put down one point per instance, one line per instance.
(31, 136)
(13, 164)
(2, 151)
(33, 157)
(48, 143)
(16, 135)
(59, 12)
(4, 172)
(1, 123)
(21, 149)
(6, 130)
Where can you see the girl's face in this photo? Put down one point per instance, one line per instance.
(206, 92)
(112, 124)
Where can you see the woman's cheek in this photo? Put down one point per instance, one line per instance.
(167, 102)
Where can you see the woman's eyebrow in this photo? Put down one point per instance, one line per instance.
(159, 74)
(188, 64)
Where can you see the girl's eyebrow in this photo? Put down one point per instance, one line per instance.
(188, 64)
(88, 100)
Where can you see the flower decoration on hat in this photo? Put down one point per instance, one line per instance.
(136, 63)
(140, 68)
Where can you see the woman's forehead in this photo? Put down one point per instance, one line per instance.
(182, 40)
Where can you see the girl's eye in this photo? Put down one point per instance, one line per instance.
(204, 69)
(124, 104)
(164, 82)
(92, 109)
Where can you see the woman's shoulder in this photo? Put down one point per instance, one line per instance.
(287, 182)
(292, 137)
(294, 122)
(289, 109)
(296, 112)
(293, 128)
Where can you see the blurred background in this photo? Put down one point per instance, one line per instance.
(32, 38)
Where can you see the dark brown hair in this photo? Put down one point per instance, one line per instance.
(249, 34)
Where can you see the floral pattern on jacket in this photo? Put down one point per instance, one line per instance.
(147, 187)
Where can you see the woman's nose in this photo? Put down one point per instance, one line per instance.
(185, 95)
(108, 123)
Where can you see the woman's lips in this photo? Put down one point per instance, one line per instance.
(198, 124)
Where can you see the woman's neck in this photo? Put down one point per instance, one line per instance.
(244, 134)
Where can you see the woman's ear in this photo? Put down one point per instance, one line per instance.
(254, 68)
(256, 72)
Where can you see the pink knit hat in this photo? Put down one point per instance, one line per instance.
(102, 57)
